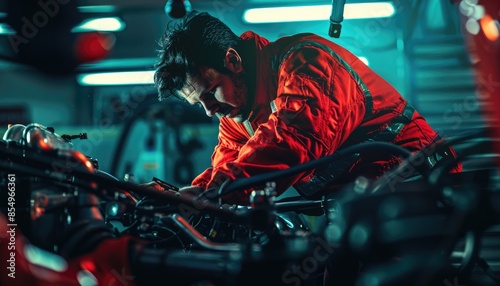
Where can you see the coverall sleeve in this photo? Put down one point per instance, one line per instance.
(225, 151)
(318, 104)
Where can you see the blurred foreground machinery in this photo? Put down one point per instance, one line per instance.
(69, 222)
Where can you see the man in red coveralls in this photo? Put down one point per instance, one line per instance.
(281, 103)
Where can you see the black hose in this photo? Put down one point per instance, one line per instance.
(401, 173)
(383, 147)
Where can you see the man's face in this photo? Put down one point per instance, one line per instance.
(224, 95)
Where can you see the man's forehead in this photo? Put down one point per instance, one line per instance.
(197, 83)
(189, 88)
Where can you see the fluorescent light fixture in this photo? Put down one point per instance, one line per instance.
(108, 24)
(117, 78)
(317, 12)
(5, 29)
(97, 9)
(364, 60)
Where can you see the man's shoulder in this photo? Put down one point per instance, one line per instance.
(252, 36)
(295, 50)
(290, 39)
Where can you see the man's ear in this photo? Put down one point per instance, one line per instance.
(232, 61)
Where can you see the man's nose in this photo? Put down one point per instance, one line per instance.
(210, 107)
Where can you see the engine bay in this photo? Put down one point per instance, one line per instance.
(62, 204)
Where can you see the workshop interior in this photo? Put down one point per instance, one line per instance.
(82, 128)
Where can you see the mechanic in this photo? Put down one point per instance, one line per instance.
(282, 103)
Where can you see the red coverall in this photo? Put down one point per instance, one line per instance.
(311, 97)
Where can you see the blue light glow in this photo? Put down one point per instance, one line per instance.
(317, 12)
(109, 24)
(117, 78)
(6, 30)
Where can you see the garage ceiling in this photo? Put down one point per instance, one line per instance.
(145, 21)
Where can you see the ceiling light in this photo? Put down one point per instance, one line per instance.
(364, 60)
(5, 29)
(108, 24)
(177, 8)
(97, 9)
(117, 78)
(317, 12)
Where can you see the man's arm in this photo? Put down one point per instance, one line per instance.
(227, 150)
(317, 107)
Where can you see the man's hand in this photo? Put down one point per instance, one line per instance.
(160, 185)
(191, 191)
(187, 192)
(200, 194)
(153, 186)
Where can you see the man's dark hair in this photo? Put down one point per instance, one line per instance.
(199, 40)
